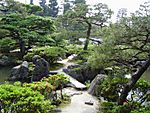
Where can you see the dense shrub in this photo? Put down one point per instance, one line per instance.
(17, 99)
(82, 55)
(51, 54)
(73, 49)
(112, 107)
(110, 88)
(47, 86)
(7, 44)
(36, 97)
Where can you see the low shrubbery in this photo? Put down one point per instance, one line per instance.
(36, 97)
(19, 99)
(51, 54)
(82, 55)
(7, 44)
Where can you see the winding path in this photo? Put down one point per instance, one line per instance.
(78, 97)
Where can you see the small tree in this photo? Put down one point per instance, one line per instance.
(126, 46)
(53, 8)
(27, 30)
(98, 16)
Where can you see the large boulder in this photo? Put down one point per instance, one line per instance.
(82, 73)
(41, 68)
(6, 61)
(95, 83)
(75, 72)
(20, 72)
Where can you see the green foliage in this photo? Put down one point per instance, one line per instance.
(51, 54)
(82, 18)
(57, 81)
(7, 44)
(19, 99)
(73, 49)
(143, 109)
(11, 6)
(33, 9)
(110, 88)
(134, 104)
(28, 30)
(82, 55)
(112, 107)
(48, 87)
(53, 8)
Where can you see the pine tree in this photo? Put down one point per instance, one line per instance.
(79, 2)
(31, 2)
(68, 4)
(53, 8)
(45, 8)
(42, 3)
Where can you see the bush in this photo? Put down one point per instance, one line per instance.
(47, 86)
(73, 49)
(7, 44)
(110, 88)
(19, 99)
(51, 54)
(112, 107)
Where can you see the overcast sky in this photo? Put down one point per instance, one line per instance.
(115, 5)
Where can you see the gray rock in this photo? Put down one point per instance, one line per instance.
(95, 83)
(41, 68)
(82, 73)
(75, 74)
(6, 61)
(20, 72)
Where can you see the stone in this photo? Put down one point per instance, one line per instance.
(41, 68)
(6, 61)
(82, 73)
(95, 83)
(20, 72)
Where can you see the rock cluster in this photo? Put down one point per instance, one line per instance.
(21, 72)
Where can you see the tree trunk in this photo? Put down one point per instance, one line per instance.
(22, 47)
(135, 77)
(88, 36)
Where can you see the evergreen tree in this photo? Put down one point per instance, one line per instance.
(53, 8)
(66, 5)
(45, 8)
(79, 2)
(42, 3)
(31, 2)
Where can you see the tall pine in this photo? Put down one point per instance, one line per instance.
(79, 2)
(53, 8)
(31, 2)
(45, 8)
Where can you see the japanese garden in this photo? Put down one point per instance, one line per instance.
(73, 58)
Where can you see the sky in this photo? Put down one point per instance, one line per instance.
(115, 5)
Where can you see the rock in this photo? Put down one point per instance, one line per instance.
(75, 74)
(6, 61)
(82, 73)
(41, 68)
(95, 83)
(20, 72)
